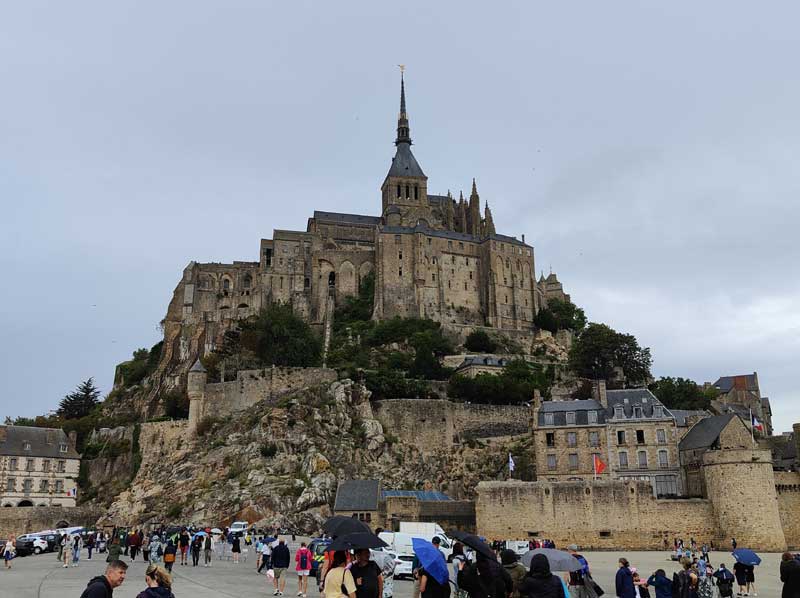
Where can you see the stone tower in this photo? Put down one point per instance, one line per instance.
(796, 429)
(405, 185)
(196, 390)
(741, 486)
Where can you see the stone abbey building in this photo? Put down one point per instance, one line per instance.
(432, 257)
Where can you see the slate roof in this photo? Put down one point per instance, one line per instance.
(346, 218)
(404, 163)
(445, 234)
(725, 383)
(17, 436)
(635, 397)
(437, 199)
(507, 239)
(418, 494)
(197, 367)
(581, 408)
(681, 415)
(357, 495)
(705, 432)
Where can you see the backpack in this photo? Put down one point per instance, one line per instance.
(304, 560)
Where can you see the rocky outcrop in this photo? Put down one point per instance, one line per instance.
(282, 462)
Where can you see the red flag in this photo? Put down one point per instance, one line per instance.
(599, 466)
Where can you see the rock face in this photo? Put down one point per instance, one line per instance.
(281, 464)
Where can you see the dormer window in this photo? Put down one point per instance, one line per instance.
(658, 411)
(548, 419)
(592, 416)
(570, 417)
(619, 412)
(637, 412)
(62, 447)
(26, 446)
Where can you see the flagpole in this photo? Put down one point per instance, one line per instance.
(752, 428)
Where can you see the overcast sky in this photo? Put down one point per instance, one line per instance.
(648, 151)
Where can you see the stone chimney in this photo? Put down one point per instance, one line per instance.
(599, 392)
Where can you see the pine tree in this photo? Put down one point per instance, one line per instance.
(80, 402)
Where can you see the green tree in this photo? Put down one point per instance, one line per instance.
(429, 346)
(567, 315)
(546, 320)
(278, 337)
(480, 342)
(682, 393)
(600, 348)
(81, 402)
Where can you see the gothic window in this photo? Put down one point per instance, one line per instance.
(526, 302)
(248, 281)
(416, 192)
(226, 284)
(407, 194)
(398, 191)
(508, 264)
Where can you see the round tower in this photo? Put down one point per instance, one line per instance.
(196, 391)
(741, 488)
(796, 429)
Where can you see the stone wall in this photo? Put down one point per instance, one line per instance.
(21, 520)
(787, 486)
(252, 386)
(449, 514)
(435, 424)
(603, 514)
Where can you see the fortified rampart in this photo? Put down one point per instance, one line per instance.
(787, 486)
(742, 503)
(15, 521)
(431, 424)
(250, 387)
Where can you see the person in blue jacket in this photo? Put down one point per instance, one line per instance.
(661, 583)
(624, 580)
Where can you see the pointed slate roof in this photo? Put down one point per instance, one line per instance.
(404, 163)
(705, 432)
(198, 367)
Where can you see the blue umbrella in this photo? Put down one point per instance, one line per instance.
(199, 534)
(431, 559)
(746, 556)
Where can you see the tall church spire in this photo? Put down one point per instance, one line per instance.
(403, 130)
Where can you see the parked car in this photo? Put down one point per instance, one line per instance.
(402, 566)
(30, 544)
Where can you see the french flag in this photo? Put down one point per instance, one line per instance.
(757, 425)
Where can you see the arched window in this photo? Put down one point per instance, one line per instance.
(226, 284)
(398, 191)
(248, 281)
(416, 192)
(407, 194)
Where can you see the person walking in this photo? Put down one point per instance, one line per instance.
(750, 573)
(114, 552)
(790, 576)
(430, 587)
(303, 558)
(197, 546)
(146, 548)
(281, 557)
(725, 581)
(458, 559)
(183, 542)
(516, 570)
(236, 548)
(639, 585)
(337, 578)
(156, 550)
(576, 580)
(684, 583)
(266, 555)
(623, 580)
(8, 551)
(207, 548)
(539, 582)
(740, 573)
(90, 540)
(661, 584)
(103, 585)
(169, 555)
(159, 583)
(367, 576)
(77, 544)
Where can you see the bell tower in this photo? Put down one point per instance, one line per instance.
(405, 185)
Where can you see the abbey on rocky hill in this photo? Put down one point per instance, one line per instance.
(432, 257)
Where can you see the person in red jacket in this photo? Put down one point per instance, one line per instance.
(303, 558)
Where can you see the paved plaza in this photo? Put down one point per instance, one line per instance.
(42, 577)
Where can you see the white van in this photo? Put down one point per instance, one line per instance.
(400, 543)
(238, 528)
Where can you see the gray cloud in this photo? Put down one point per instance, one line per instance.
(646, 151)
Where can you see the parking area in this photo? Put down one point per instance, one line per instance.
(42, 577)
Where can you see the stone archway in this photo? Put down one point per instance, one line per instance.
(25, 503)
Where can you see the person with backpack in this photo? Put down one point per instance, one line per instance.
(169, 555)
(662, 585)
(303, 558)
(724, 581)
(684, 582)
(577, 579)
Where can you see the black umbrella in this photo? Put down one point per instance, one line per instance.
(357, 541)
(341, 525)
(475, 543)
